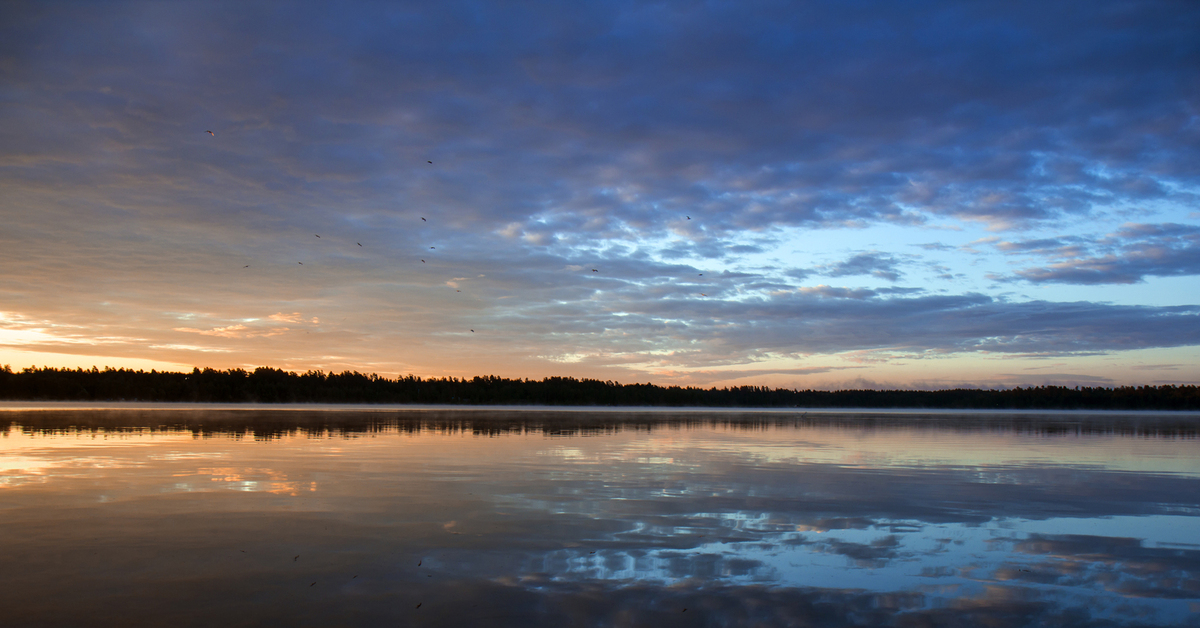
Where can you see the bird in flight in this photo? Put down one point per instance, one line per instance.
(316, 234)
(595, 271)
(432, 247)
(689, 217)
(472, 331)
(211, 133)
(358, 243)
(300, 263)
(703, 295)
(246, 266)
(430, 161)
(422, 261)
(423, 219)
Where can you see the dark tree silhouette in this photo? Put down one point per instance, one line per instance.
(268, 385)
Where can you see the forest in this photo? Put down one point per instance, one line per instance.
(269, 385)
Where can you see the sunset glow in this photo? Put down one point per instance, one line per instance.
(803, 195)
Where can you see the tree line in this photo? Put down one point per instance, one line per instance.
(269, 385)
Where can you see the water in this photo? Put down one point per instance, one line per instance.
(322, 517)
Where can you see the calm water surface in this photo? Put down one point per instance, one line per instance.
(334, 517)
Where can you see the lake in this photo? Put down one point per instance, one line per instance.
(128, 515)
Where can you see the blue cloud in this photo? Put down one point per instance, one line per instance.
(1130, 255)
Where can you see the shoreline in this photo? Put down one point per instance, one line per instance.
(37, 406)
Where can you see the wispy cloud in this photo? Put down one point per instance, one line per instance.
(881, 265)
(1129, 255)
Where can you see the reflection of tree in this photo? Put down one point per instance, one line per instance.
(269, 424)
(267, 385)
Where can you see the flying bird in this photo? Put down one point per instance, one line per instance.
(472, 331)
(703, 295)
(595, 271)
(689, 217)
(423, 219)
(422, 261)
(246, 266)
(316, 234)
(420, 561)
(300, 263)
(296, 558)
(430, 161)
(701, 274)
(419, 604)
(358, 243)
(432, 247)
(211, 133)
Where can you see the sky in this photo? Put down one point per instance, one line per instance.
(841, 194)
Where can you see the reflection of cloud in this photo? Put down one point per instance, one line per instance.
(874, 554)
(598, 603)
(835, 523)
(252, 480)
(1121, 565)
(602, 533)
(17, 469)
(938, 572)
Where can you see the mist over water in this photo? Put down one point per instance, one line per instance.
(557, 518)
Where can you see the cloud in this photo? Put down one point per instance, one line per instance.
(538, 115)
(231, 331)
(651, 142)
(1061, 247)
(1130, 255)
(838, 293)
(294, 317)
(876, 264)
(825, 319)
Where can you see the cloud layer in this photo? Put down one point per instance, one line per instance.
(393, 176)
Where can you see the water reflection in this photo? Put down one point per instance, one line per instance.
(264, 422)
(569, 518)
